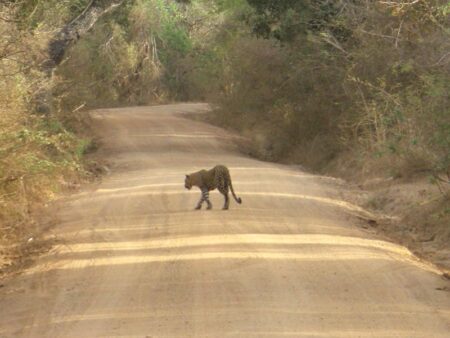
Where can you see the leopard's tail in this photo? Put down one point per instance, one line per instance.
(238, 199)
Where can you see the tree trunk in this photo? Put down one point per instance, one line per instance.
(76, 29)
(64, 38)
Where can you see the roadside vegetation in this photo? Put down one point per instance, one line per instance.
(357, 89)
(57, 60)
(340, 85)
(39, 155)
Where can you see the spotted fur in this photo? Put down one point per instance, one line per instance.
(207, 180)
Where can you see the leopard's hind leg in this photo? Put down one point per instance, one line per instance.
(224, 191)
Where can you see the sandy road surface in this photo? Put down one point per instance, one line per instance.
(138, 261)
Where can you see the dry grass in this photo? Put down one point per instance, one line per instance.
(39, 157)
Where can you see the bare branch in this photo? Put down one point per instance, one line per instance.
(398, 34)
(378, 35)
(440, 61)
(78, 27)
(399, 4)
(330, 39)
(8, 20)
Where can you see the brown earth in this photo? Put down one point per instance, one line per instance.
(134, 259)
(420, 215)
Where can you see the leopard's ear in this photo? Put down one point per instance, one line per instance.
(187, 176)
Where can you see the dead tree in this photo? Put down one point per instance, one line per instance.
(66, 37)
(77, 28)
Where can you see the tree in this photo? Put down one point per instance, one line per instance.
(77, 28)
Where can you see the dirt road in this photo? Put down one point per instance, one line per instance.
(135, 259)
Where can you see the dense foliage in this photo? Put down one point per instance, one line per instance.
(319, 79)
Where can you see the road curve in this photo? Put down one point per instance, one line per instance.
(135, 260)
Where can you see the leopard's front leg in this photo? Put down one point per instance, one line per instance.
(203, 198)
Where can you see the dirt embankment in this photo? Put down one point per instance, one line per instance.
(419, 215)
(414, 209)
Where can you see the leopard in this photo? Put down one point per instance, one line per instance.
(208, 180)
